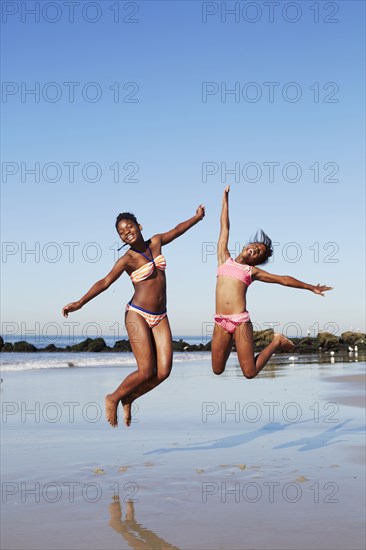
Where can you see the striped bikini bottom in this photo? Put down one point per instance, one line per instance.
(150, 317)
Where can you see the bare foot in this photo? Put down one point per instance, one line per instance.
(111, 410)
(283, 342)
(126, 413)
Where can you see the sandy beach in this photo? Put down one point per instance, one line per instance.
(209, 462)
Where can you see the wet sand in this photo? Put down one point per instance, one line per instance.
(350, 390)
(208, 462)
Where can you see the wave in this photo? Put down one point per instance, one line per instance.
(12, 362)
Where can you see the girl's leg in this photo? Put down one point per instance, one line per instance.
(133, 532)
(163, 351)
(143, 349)
(245, 348)
(221, 345)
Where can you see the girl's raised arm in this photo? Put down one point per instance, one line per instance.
(117, 270)
(181, 228)
(286, 280)
(222, 250)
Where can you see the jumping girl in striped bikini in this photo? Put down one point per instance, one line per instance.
(232, 322)
(146, 316)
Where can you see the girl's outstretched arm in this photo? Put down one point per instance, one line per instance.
(222, 250)
(181, 228)
(97, 288)
(286, 280)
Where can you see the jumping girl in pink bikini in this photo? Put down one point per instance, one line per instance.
(146, 316)
(232, 320)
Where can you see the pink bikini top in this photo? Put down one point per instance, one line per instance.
(146, 270)
(233, 270)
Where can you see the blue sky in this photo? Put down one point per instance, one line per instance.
(146, 94)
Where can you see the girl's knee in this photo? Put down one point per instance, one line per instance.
(249, 371)
(218, 369)
(249, 374)
(163, 375)
(164, 369)
(146, 375)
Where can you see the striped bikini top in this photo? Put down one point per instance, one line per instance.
(146, 270)
(233, 270)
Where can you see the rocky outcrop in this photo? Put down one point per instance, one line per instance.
(180, 345)
(121, 345)
(323, 342)
(306, 345)
(352, 338)
(262, 338)
(328, 341)
(24, 347)
(51, 348)
(96, 345)
(7, 347)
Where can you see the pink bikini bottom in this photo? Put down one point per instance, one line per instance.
(230, 322)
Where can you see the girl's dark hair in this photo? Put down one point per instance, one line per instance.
(262, 237)
(125, 216)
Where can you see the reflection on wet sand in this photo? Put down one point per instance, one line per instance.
(136, 536)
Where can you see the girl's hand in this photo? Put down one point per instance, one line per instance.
(320, 289)
(225, 198)
(200, 212)
(74, 306)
